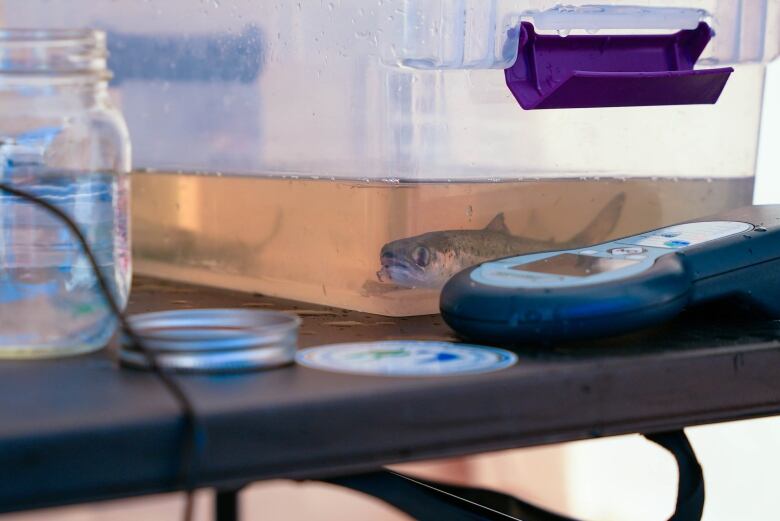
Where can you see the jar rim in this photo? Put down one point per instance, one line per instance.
(52, 52)
(52, 35)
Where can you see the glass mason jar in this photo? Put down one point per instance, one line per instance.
(63, 141)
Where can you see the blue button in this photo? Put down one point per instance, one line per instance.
(677, 244)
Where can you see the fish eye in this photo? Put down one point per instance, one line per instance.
(421, 256)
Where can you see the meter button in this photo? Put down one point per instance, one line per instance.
(636, 257)
(630, 250)
(589, 252)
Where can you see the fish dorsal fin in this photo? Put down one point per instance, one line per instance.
(498, 224)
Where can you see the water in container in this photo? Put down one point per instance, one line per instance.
(50, 302)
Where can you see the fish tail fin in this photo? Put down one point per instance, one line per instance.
(601, 225)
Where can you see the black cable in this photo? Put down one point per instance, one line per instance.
(188, 445)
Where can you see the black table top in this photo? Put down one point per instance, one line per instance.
(81, 429)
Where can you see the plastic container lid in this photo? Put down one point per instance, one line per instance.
(213, 340)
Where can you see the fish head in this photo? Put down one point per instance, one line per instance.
(425, 261)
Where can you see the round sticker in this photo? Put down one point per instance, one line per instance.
(406, 358)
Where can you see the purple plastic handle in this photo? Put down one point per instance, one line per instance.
(553, 72)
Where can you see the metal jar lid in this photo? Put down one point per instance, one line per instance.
(213, 340)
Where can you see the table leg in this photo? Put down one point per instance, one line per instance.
(226, 505)
(430, 501)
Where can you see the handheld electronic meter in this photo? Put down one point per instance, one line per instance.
(622, 285)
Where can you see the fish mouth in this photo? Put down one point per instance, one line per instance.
(399, 263)
(391, 266)
(401, 272)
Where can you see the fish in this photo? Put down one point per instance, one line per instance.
(431, 259)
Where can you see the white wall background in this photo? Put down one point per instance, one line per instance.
(768, 176)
